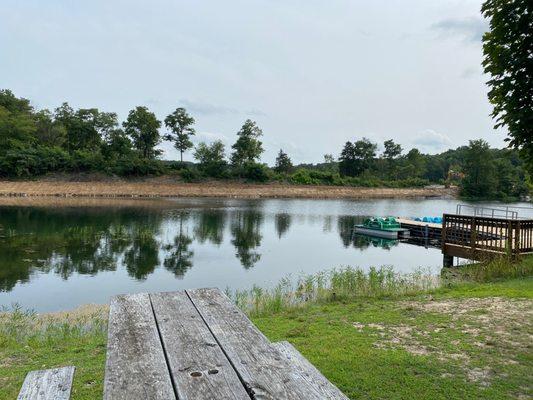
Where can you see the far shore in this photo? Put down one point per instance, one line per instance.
(167, 187)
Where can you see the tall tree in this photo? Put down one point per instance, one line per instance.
(357, 157)
(248, 148)
(283, 163)
(392, 150)
(143, 128)
(180, 125)
(480, 179)
(507, 49)
(347, 160)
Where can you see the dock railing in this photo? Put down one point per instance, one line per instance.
(470, 236)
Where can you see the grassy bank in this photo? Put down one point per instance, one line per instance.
(376, 335)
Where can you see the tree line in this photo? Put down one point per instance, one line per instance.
(35, 142)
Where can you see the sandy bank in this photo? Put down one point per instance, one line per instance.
(164, 188)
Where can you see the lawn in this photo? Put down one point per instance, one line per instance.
(468, 341)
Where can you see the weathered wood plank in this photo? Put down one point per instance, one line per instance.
(312, 375)
(265, 372)
(198, 367)
(135, 365)
(48, 384)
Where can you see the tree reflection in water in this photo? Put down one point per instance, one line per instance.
(246, 233)
(283, 223)
(92, 239)
(179, 256)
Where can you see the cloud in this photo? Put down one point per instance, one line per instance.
(470, 29)
(210, 137)
(206, 108)
(431, 141)
(202, 108)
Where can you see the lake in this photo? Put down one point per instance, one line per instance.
(61, 255)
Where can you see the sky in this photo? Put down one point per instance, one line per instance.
(312, 73)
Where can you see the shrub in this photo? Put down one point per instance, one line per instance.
(190, 175)
(136, 166)
(33, 161)
(254, 172)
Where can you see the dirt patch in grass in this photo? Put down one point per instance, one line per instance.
(484, 337)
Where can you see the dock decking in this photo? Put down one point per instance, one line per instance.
(197, 345)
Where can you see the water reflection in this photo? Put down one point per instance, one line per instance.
(87, 241)
(246, 233)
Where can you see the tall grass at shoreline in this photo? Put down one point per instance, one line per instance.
(25, 326)
(349, 283)
(340, 284)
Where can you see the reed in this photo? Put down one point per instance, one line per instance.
(25, 326)
(344, 283)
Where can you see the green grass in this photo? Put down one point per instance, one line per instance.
(29, 343)
(376, 335)
(399, 349)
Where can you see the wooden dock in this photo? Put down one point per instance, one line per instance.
(477, 237)
(197, 345)
(423, 230)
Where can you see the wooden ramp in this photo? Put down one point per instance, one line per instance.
(197, 345)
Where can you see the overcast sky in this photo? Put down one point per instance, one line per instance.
(313, 74)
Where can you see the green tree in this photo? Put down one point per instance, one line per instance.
(143, 128)
(283, 163)
(392, 150)
(347, 160)
(507, 49)
(16, 130)
(49, 132)
(211, 158)
(13, 103)
(480, 176)
(357, 157)
(117, 144)
(248, 148)
(415, 164)
(180, 125)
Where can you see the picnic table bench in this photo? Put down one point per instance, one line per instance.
(196, 344)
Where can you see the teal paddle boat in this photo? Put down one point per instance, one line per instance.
(387, 228)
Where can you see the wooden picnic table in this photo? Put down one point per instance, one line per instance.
(197, 344)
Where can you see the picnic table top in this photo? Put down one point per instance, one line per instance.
(197, 344)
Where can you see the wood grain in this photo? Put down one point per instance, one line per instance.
(49, 384)
(198, 367)
(135, 366)
(266, 373)
(312, 375)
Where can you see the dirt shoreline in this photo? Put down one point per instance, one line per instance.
(154, 187)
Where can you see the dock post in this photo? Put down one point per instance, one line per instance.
(447, 261)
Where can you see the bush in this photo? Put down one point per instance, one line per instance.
(254, 172)
(136, 166)
(86, 161)
(190, 175)
(33, 161)
(303, 177)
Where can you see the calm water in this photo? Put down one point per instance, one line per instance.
(55, 258)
